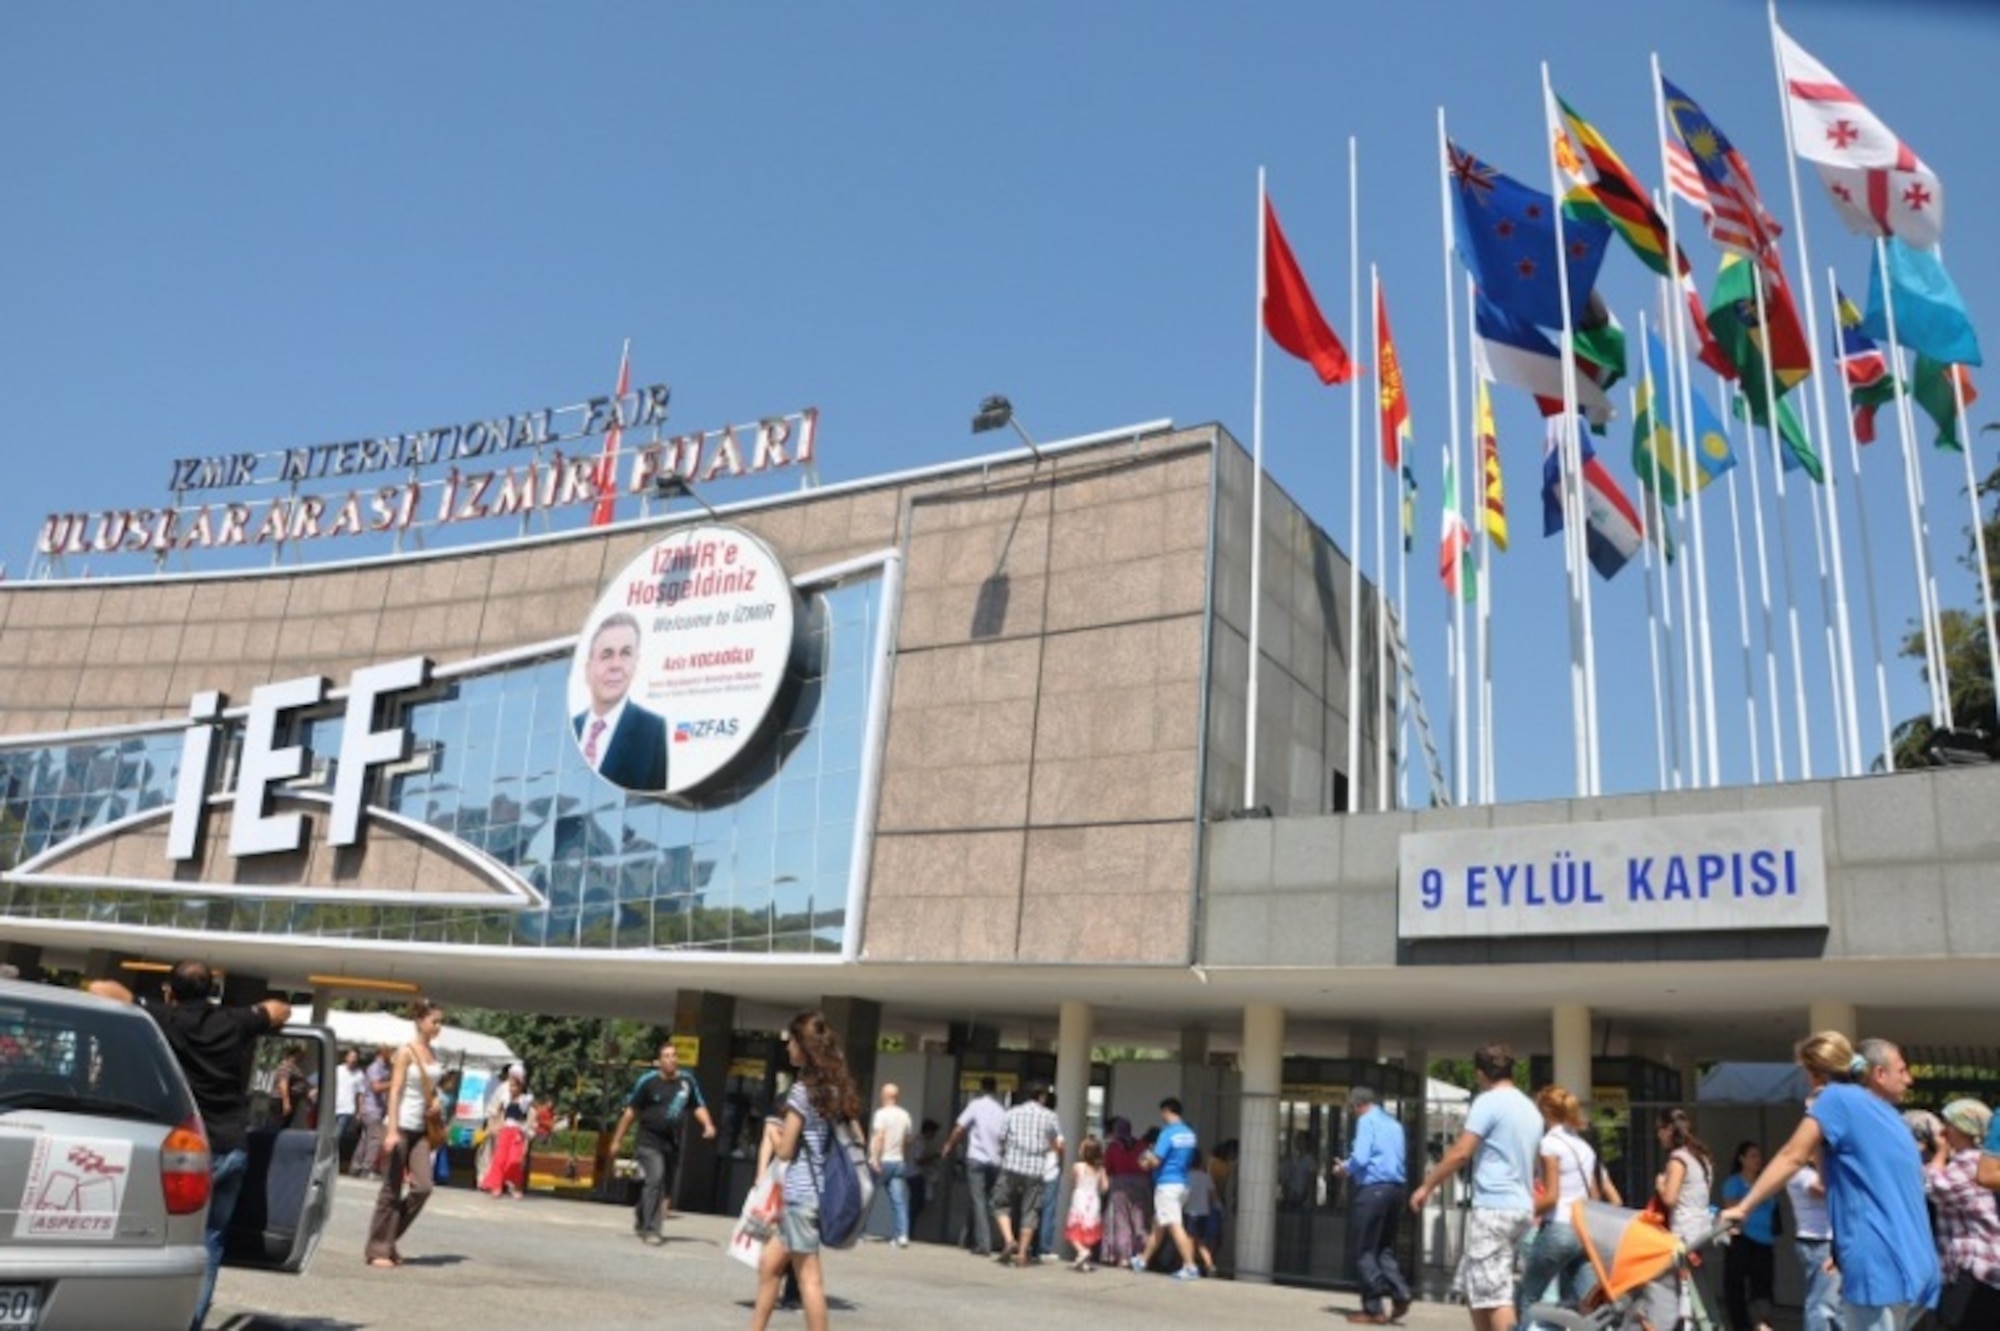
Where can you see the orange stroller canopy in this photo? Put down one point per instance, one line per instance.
(1627, 1249)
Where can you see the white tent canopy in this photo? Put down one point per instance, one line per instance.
(371, 1030)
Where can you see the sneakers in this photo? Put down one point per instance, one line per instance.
(1138, 1265)
(902, 1243)
(1188, 1273)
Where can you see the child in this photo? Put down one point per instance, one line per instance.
(1086, 1210)
(1204, 1215)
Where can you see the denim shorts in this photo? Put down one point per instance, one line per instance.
(798, 1229)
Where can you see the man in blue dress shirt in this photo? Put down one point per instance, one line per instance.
(1375, 1173)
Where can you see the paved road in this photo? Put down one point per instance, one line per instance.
(574, 1266)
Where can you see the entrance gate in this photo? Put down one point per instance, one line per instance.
(1315, 1237)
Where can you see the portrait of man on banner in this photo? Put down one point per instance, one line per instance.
(623, 741)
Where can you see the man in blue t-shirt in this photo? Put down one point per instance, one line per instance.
(660, 1103)
(1170, 1158)
(1502, 1139)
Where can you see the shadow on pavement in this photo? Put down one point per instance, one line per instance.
(260, 1322)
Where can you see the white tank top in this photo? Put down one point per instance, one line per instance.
(410, 1109)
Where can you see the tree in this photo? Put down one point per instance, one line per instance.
(1967, 662)
(581, 1065)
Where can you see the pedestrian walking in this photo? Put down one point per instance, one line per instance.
(415, 1115)
(1085, 1226)
(822, 1095)
(1376, 1169)
(1171, 1156)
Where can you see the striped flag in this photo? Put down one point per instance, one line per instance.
(1602, 186)
(1737, 219)
(606, 478)
(1495, 516)
(1684, 178)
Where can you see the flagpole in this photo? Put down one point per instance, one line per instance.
(1978, 517)
(1839, 628)
(1483, 566)
(1682, 472)
(1381, 561)
(1867, 560)
(1573, 508)
(1913, 486)
(1354, 488)
(1451, 398)
(1826, 613)
(1403, 619)
(1680, 376)
(1978, 526)
(1743, 630)
(1774, 432)
(1256, 512)
(1648, 524)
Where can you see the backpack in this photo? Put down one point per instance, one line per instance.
(846, 1187)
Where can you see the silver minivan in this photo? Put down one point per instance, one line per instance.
(104, 1169)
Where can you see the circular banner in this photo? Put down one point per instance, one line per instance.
(679, 668)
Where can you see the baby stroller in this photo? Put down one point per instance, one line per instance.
(1644, 1276)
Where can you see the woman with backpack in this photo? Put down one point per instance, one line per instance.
(822, 1095)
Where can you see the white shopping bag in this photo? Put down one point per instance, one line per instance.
(759, 1219)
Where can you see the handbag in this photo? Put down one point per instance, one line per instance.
(435, 1128)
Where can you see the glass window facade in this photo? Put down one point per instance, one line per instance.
(765, 867)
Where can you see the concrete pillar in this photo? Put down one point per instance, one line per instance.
(1832, 1014)
(859, 1022)
(1257, 1161)
(1076, 1029)
(710, 1018)
(1571, 1045)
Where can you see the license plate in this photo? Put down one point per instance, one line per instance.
(18, 1306)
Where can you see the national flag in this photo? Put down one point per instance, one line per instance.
(1737, 219)
(1684, 179)
(1795, 451)
(1598, 343)
(1699, 340)
(1865, 370)
(1605, 190)
(1612, 528)
(606, 477)
(1930, 317)
(1518, 354)
(1879, 186)
(1454, 537)
(1733, 319)
(1931, 384)
(1495, 509)
(1656, 433)
(1507, 239)
(1290, 313)
(1395, 402)
(1409, 506)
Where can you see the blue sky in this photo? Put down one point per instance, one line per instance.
(247, 227)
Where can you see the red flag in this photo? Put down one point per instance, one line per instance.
(1395, 403)
(1291, 315)
(607, 467)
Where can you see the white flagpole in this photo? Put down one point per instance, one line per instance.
(1256, 514)
(1451, 398)
(1663, 396)
(1920, 531)
(1354, 489)
(1978, 528)
(1770, 635)
(1838, 628)
(1573, 506)
(1826, 612)
(1743, 632)
(1476, 505)
(1381, 560)
(1867, 557)
(1772, 417)
(1402, 621)
(1649, 524)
